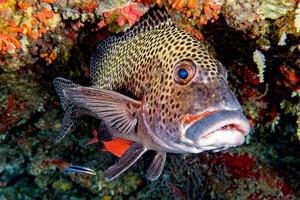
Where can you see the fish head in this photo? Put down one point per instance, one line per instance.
(193, 109)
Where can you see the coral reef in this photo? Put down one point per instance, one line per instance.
(23, 23)
(26, 26)
(257, 40)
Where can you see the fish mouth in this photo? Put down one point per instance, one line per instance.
(218, 129)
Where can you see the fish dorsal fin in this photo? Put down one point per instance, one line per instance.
(60, 84)
(119, 112)
(156, 18)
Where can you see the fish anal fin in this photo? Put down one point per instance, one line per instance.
(129, 158)
(117, 146)
(157, 165)
(118, 111)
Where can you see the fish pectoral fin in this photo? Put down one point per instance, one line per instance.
(117, 146)
(129, 158)
(118, 111)
(156, 167)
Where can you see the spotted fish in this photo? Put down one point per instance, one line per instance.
(158, 87)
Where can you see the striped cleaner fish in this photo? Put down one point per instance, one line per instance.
(157, 87)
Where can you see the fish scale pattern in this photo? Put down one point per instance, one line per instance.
(142, 63)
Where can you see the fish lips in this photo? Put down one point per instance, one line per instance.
(221, 129)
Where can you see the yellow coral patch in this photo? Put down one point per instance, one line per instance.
(260, 60)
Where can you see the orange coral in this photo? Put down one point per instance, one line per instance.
(89, 7)
(119, 17)
(146, 2)
(44, 15)
(49, 57)
(22, 5)
(192, 4)
(201, 11)
(48, 1)
(24, 19)
(8, 39)
(193, 13)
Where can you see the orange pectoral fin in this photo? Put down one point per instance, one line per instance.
(117, 146)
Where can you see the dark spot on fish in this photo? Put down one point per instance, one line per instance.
(175, 115)
(161, 79)
(167, 109)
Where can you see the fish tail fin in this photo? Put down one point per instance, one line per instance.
(72, 112)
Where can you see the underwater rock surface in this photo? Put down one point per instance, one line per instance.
(258, 42)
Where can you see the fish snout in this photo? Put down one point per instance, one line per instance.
(217, 129)
(228, 101)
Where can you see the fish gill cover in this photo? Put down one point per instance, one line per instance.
(40, 40)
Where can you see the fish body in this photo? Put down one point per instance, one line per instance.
(158, 87)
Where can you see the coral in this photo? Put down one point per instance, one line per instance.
(27, 24)
(253, 15)
(54, 25)
(22, 22)
(260, 60)
(120, 19)
(273, 9)
(297, 18)
(15, 105)
(192, 14)
(241, 14)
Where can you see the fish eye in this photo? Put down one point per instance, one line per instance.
(184, 71)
